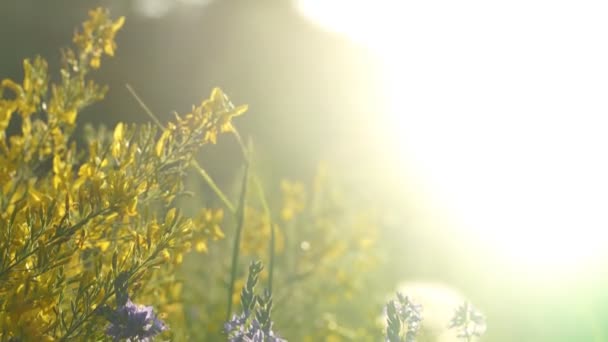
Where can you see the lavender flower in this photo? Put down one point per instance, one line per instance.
(402, 312)
(134, 323)
(468, 321)
(410, 313)
(239, 331)
(254, 323)
(236, 324)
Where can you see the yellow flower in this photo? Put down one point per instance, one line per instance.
(166, 255)
(257, 232)
(35, 82)
(294, 199)
(179, 258)
(7, 107)
(207, 226)
(162, 142)
(117, 142)
(97, 36)
(222, 109)
(218, 112)
(6, 110)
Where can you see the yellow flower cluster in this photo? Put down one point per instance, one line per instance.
(218, 112)
(212, 117)
(72, 218)
(40, 217)
(208, 226)
(256, 234)
(97, 37)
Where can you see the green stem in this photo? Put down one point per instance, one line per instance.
(144, 107)
(240, 216)
(262, 196)
(244, 149)
(195, 164)
(272, 254)
(214, 187)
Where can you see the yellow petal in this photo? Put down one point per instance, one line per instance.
(57, 164)
(201, 246)
(132, 208)
(103, 245)
(119, 131)
(219, 215)
(70, 116)
(239, 110)
(217, 95)
(219, 234)
(179, 258)
(118, 24)
(227, 127)
(165, 254)
(118, 138)
(108, 48)
(35, 195)
(95, 62)
(160, 145)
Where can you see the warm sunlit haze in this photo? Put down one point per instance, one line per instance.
(500, 110)
(304, 170)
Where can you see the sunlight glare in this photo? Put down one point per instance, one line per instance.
(501, 109)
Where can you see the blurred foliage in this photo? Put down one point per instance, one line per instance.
(325, 255)
(75, 217)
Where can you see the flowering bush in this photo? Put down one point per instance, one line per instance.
(92, 225)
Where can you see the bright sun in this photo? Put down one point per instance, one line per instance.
(501, 108)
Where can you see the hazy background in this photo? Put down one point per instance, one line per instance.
(481, 126)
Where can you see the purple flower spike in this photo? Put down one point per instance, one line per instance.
(134, 323)
(239, 330)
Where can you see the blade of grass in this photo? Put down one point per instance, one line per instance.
(240, 216)
(262, 196)
(248, 153)
(195, 164)
(214, 186)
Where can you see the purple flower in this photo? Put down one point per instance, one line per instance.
(239, 331)
(134, 323)
(402, 313)
(468, 321)
(236, 324)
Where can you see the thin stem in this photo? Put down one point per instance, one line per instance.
(240, 216)
(144, 107)
(214, 187)
(195, 164)
(244, 149)
(262, 196)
